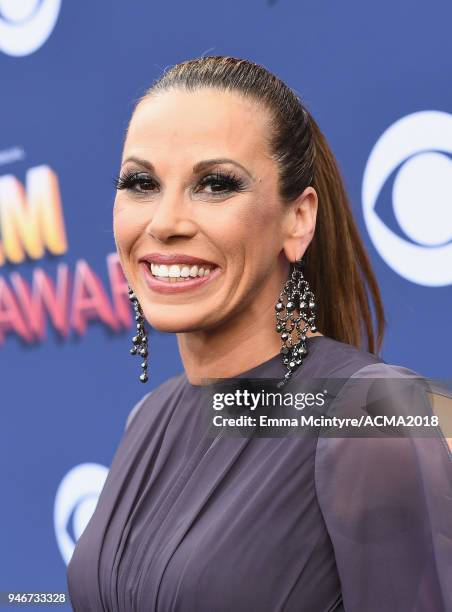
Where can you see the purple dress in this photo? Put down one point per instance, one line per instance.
(191, 523)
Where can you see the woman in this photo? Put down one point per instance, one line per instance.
(226, 180)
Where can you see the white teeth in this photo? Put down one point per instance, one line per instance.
(174, 271)
(161, 270)
(178, 271)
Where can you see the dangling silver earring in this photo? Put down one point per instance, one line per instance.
(140, 341)
(298, 296)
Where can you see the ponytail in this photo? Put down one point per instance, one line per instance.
(337, 265)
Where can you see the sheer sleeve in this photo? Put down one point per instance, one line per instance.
(386, 494)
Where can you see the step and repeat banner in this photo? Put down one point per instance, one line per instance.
(376, 76)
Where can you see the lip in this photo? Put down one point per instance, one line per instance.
(174, 258)
(160, 286)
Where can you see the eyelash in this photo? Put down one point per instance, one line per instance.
(129, 180)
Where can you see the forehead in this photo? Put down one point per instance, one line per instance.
(207, 122)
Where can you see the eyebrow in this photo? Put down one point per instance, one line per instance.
(199, 167)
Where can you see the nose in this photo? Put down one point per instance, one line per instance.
(170, 218)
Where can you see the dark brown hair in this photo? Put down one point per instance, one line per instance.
(337, 265)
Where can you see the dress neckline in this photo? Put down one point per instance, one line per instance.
(261, 369)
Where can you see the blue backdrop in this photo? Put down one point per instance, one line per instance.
(376, 77)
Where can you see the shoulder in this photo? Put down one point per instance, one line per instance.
(382, 415)
(381, 431)
(330, 357)
(157, 396)
(364, 385)
(334, 358)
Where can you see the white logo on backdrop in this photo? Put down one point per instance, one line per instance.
(77, 495)
(421, 197)
(25, 25)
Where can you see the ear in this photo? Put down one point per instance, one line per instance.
(300, 224)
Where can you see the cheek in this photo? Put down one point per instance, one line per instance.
(126, 227)
(229, 230)
(256, 217)
(252, 239)
(261, 228)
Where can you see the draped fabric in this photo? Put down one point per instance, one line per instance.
(194, 522)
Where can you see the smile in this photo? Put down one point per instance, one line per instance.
(177, 277)
(179, 272)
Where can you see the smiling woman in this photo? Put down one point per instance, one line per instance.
(208, 182)
(234, 231)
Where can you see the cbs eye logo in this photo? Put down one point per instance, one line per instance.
(25, 25)
(417, 151)
(75, 502)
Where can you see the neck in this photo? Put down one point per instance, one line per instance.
(235, 347)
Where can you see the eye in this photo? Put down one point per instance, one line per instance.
(130, 181)
(222, 182)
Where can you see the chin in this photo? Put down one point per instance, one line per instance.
(177, 323)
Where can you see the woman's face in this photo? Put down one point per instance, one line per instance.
(179, 202)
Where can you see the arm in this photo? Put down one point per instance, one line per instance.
(387, 505)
